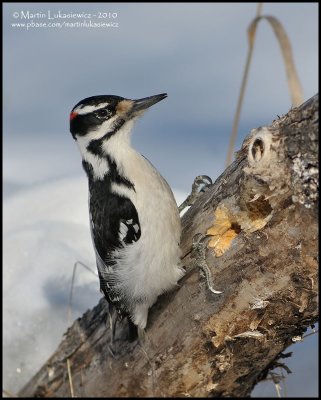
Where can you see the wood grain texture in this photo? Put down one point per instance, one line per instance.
(262, 213)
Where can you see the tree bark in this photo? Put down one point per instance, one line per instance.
(262, 213)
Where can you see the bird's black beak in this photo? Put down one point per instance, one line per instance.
(146, 102)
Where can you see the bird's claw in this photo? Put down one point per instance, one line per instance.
(199, 246)
(200, 185)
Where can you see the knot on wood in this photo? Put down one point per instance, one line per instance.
(260, 146)
(267, 173)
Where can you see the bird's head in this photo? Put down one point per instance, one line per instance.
(102, 116)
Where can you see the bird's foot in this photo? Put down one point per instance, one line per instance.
(199, 247)
(200, 185)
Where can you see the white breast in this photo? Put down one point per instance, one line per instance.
(149, 266)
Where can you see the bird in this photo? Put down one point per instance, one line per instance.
(134, 219)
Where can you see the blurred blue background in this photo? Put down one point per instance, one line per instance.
(193, 51)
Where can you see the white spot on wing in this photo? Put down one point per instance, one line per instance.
(136, 227)
(123, 229)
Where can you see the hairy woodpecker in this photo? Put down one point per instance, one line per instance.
(134, 219)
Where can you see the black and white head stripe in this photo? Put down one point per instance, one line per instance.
(92, 111)
(96, 102)
(98, 113)
(83, 109)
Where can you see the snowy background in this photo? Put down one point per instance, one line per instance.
(193, 51)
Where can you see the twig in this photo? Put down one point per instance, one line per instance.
(70, 379)
(294, 84)
(242, 91)
(72, 286)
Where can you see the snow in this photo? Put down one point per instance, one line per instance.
(46, 230)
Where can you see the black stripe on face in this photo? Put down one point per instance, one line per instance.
(95, 146)
(81, 124)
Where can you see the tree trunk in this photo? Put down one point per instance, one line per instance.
(262, 213)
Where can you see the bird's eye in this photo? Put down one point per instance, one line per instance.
(103, 113)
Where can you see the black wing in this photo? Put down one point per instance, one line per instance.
(114, 224)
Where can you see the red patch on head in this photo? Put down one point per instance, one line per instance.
(73, 115)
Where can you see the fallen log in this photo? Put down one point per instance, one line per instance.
(262, 215)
